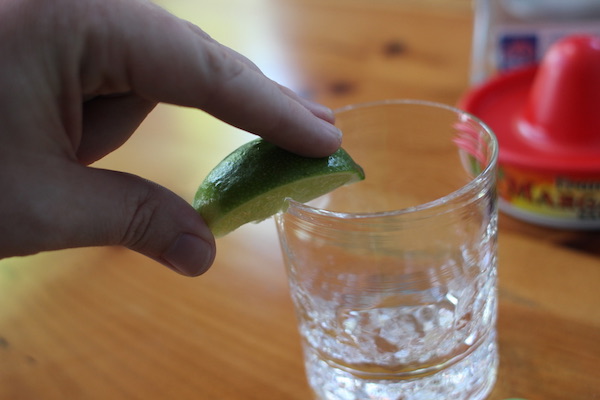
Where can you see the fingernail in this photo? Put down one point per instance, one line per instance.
(189, 255)
(332, 130)
(322, 111)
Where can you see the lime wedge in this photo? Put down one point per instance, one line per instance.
(252, 183)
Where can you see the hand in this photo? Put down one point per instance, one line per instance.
(77, 77)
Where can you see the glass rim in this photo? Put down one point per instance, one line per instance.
(427, 206)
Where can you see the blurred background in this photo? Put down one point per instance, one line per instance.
(107, 323)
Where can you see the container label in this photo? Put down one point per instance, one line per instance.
(523, 45)
(564, 197)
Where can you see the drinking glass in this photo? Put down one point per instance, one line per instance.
(394, 278)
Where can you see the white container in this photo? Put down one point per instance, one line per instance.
(514, 33)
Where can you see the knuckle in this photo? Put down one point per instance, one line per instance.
(139, 230)
(222, 64)
(220, 71)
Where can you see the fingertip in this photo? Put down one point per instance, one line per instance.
(190, 255)
(319, 110)
(333, 137)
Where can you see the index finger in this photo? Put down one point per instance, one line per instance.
(170, 60)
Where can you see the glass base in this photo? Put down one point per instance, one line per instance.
(472, 378)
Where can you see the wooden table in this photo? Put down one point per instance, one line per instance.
(107, 323)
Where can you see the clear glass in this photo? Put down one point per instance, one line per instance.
(394, 278)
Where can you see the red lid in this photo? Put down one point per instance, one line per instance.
(547, 117)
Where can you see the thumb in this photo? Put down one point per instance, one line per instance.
(148, 218)
(84, 206)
